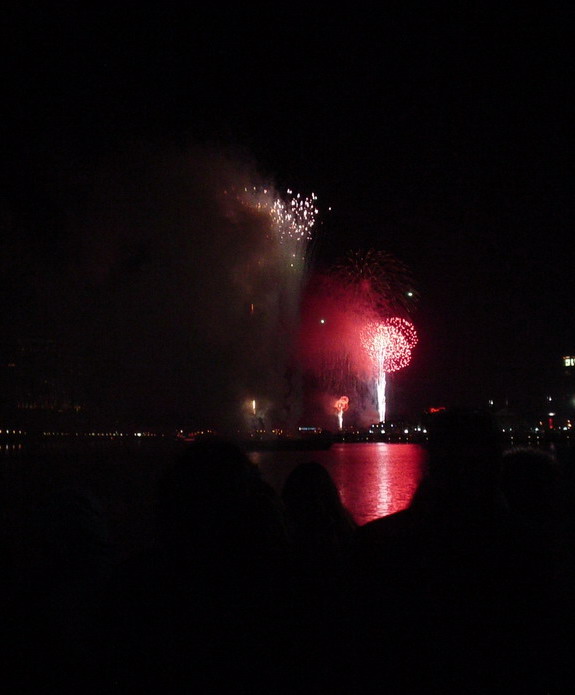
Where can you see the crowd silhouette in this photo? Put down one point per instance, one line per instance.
(246, 589)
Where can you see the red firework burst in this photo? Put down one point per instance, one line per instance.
(389, 343)
(375, 281)
(342, 404)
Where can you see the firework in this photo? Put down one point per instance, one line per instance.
(388, 343)
(375, 282)
(291, 221)
(341, 405)
(273, 280)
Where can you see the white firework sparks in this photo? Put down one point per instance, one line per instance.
(291, 220)
(388, 344)
(274, 277)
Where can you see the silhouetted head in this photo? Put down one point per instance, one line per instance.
(74, 521)
(530, 483)
(73, 530)
(465, 450)
(311, 497)
(208, 486)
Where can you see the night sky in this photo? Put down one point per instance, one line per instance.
(443, 138)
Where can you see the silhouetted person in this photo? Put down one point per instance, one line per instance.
(12, 661)
(438, 578)
(206, 607)
(321, 532)
(532, 482)
(58, 605)
(320, 527)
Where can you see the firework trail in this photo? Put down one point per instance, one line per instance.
(341, 405)
(361, 289)
(285, 224)
(374, 285)
(388, 344)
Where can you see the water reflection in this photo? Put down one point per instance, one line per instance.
(374, 479)
(7, 449)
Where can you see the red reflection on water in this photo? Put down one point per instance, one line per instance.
(373, 479)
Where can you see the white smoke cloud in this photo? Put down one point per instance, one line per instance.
(177, 295)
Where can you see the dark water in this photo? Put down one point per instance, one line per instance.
(374, 479)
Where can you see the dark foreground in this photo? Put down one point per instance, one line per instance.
(220, 584)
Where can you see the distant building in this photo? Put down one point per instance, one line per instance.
(568, 384)
(559, 410)
(35, 376)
